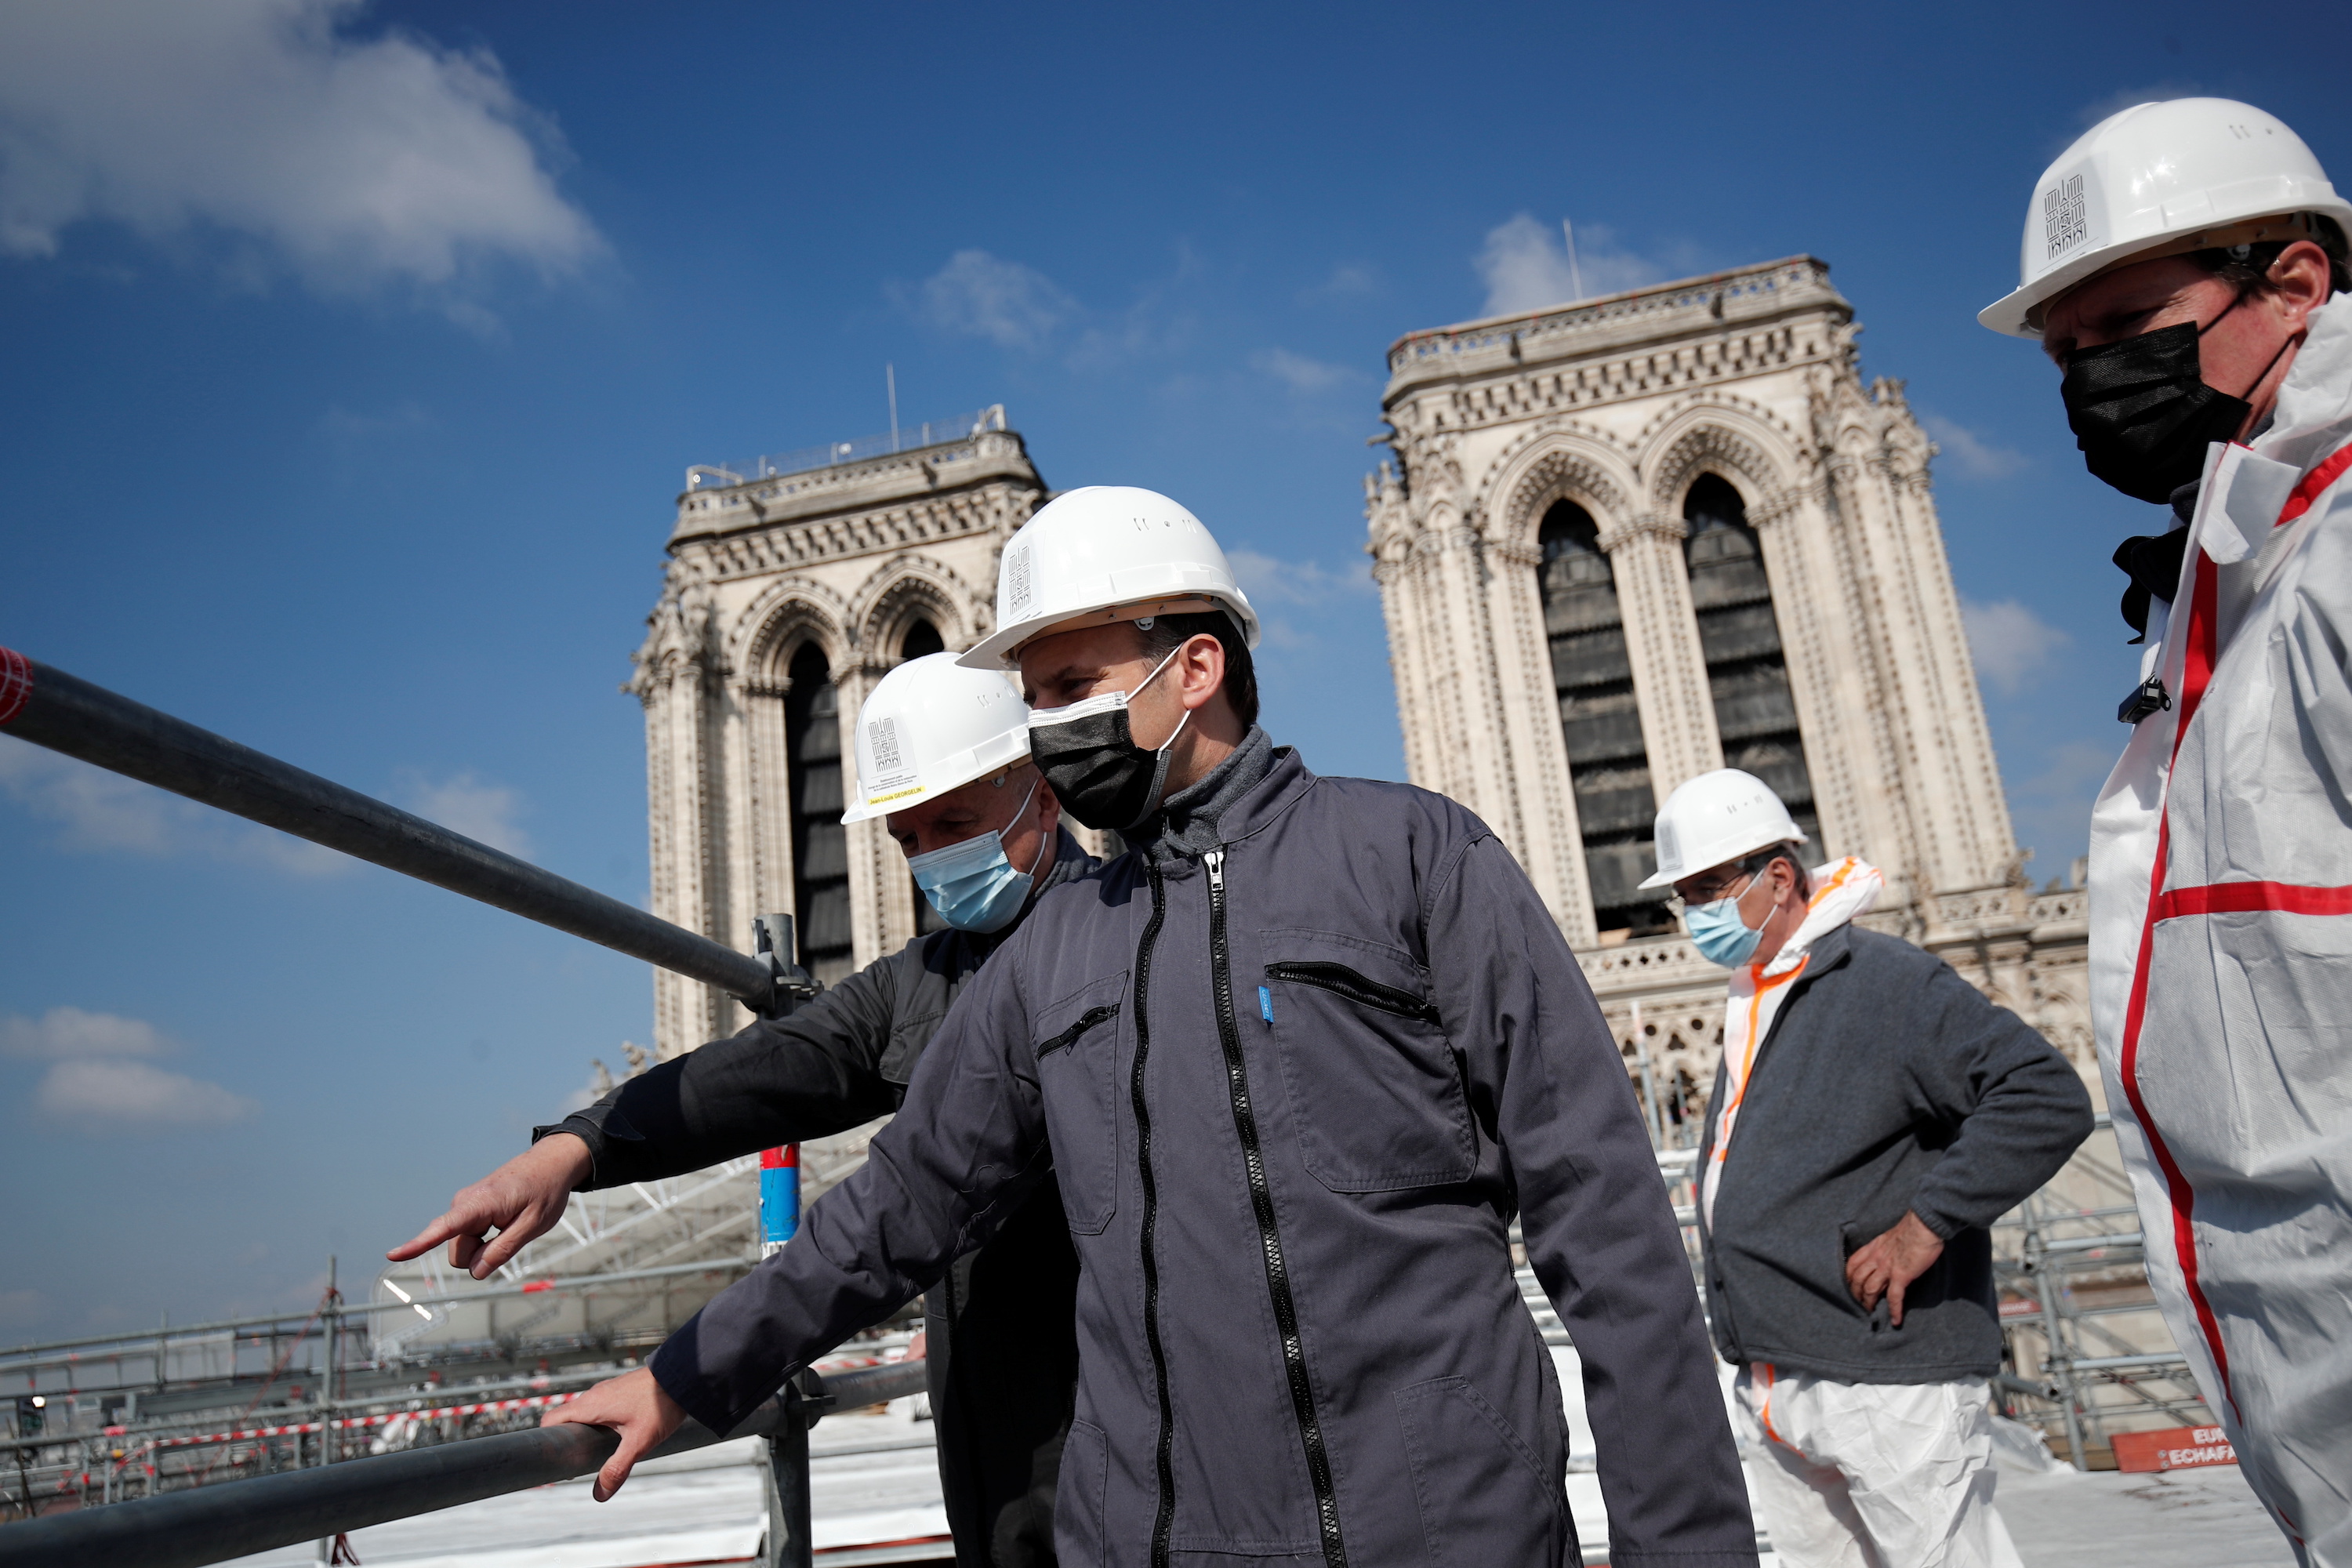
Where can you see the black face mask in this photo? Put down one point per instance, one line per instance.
(2142, 414)
(1099, 772)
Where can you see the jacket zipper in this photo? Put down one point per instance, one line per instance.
(1069, 1036)
(1164, 1526)
(1278, 1275)
(1343, 981)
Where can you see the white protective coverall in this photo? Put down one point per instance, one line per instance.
(2221, 949)
(1851, 1475)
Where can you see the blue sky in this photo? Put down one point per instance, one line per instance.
(356, 353)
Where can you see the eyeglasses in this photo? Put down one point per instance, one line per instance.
(1732, 887)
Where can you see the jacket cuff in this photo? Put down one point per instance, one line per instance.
(1942, 1224)
(597, 1126)
(676, 1366)
(588, 1133)
(1626, 1557)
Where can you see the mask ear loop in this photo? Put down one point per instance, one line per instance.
(2292, 339)
(1017, 815)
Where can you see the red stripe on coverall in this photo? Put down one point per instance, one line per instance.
(2247, 898)
(2196, 673)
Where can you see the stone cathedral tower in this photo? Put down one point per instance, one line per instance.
(1632, 539)
(792, 589)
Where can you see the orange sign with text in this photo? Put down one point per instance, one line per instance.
(2175, 1449)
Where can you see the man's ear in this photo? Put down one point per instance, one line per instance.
(1201, 666)
(1049, 807)
(2302, 275)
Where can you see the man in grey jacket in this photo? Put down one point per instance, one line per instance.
(1300, 1057)
(1871, 1115)
(1001, 1349)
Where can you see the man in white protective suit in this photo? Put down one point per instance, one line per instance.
(2183, 264)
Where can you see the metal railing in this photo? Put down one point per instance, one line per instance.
(903, 438)
(209, 1524)
(235, 1519)
(52, 708)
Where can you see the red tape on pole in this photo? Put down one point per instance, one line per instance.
(16, 683)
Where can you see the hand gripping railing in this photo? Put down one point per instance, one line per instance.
(52, 708)
(235, 1519)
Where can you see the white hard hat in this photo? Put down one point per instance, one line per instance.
(1716, 818)
(2159, 179)
(1104, 553)
(930, 726)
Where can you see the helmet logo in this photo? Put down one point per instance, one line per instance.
(883, 736)
(2065, 217)
(1017, 580)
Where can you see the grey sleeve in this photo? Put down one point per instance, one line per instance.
(1599, 1231)
(784, 1081)
(965, 1148)
(2015, 1107)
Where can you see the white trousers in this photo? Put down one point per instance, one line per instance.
(1868, 1475)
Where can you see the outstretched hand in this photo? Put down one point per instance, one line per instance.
(1887, 1265)
(521, 1201)
(633, 1404)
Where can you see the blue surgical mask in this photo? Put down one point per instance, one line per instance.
(972, 884)
(1719, 932)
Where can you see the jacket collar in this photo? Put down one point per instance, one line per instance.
(1286, 783)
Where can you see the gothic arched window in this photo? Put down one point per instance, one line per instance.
(921, 637)
(1608, 765)
(1755, 712)
(820, 844)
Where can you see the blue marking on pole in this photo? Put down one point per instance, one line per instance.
(780, 1197)
(1265, 1002)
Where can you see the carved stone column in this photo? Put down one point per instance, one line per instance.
(1645, 554)
(880, 890)
(1878, 687)
(1549, 844)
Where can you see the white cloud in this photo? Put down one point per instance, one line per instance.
(463, 804)
(1300, 374)
(354, 162)
(983, 296)
(1267, 580)
(68, 1032)
(1524, 266)
(96, 1073)
(104, 811)
(1976, 457)
(1349, 280)
(2010, 642)
(103, 1090)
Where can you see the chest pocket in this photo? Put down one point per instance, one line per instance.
(1078, 1073)
(1373, 1083)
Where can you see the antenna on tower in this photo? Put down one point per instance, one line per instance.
(1575, 277)
(890, 379)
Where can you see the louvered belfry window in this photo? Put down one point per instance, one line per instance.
(1609, 766)
(820, 844)
(1755, 712)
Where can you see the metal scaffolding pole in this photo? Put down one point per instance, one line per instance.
(52, 708)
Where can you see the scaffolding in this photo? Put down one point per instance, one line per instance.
(2087, 1349)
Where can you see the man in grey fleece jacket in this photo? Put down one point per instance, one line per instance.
(1871, 1115)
